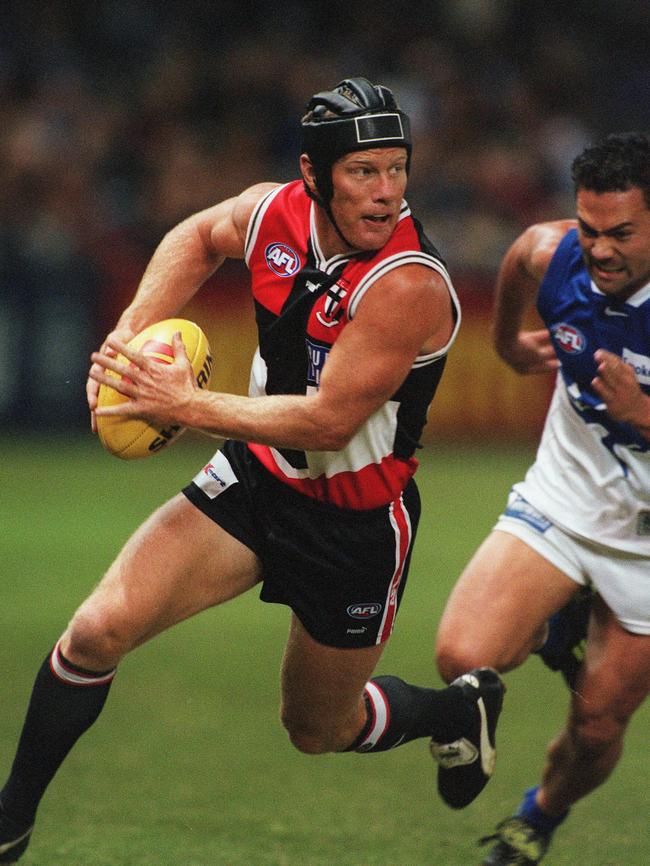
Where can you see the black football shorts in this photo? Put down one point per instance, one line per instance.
(341, 571)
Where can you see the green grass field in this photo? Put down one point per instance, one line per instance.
(189, 766)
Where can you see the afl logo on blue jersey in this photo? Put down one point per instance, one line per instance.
(570, 339)
(282, 260)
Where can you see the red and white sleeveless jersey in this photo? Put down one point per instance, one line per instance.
(303, 301)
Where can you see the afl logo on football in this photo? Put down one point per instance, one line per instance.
(365, 610)
(570, 339)
(282, 260)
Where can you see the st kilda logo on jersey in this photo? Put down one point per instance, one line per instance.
(333, 306)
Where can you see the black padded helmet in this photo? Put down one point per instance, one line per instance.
(354, 115)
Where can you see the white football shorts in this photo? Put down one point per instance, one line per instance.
(622, 579)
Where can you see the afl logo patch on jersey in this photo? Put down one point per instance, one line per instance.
(282, 260)
(571, 340)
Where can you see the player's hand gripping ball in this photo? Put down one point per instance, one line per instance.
(132, 438)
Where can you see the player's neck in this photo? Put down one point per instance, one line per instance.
(330, 240)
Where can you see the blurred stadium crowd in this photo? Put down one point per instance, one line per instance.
(120, 117)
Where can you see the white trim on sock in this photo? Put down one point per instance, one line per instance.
(75, 678)
(381, 717)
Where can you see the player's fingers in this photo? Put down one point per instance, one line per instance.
(180, 352)
(121, 385)
(179, 346)
(125, 408)
(92, 390)
(612, 371)
(541, 339)
(613, 367)
(123, 349)
(547, 366)
(104, 361)
(603, 389)
(546, 350)
(92, 395)
(606, 378)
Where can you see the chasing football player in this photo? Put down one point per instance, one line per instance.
(312, 496)
(582, 514)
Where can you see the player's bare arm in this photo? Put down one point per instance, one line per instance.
(188, 255)
(405, 314)
(185, 258)
(520, 275)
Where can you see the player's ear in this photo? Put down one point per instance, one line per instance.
(308, 172)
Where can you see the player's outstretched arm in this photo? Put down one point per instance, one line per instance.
(188, 255)
(366, 366)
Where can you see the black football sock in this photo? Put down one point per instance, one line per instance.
(65, 702)
(399, 712)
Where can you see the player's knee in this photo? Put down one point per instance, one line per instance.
(457, 653)
(308, 744)
(593, 733)
(456, 657)
(92, 640)
(309, 736)
(306, 740)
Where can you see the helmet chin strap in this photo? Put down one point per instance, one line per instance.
(315, 196)
(328, 210)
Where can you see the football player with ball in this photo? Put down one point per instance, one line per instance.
(311, 498)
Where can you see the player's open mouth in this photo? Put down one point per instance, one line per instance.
(377, 218)
(605, 272)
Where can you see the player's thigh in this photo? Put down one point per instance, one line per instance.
(322, 685)
(176, 564)
(494, 613)
(615, 677)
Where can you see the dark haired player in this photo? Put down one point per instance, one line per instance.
(312, 495)
(582, 514)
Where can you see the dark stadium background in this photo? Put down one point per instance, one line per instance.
(117, 119)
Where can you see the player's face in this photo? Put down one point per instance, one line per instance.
(614, 233)
(369, 187)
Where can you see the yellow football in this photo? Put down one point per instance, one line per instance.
(132, 438)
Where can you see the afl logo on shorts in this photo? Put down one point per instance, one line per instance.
(282, 260)
(570, 339)
(364, 611)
